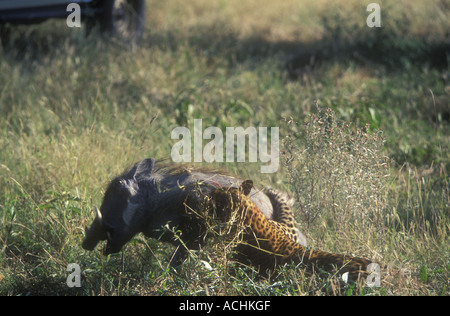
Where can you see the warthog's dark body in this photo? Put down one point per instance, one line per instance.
(148, 197)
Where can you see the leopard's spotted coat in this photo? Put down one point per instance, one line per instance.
(268, 243)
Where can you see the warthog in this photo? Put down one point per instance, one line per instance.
(154, 199)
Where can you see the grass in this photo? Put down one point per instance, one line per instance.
(76, 111)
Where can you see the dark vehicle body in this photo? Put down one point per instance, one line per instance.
(123, 17)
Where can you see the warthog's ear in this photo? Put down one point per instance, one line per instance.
(144, 167)
(246, 186)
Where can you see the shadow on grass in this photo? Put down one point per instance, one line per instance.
(365, 46)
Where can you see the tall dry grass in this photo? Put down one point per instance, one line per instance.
(76, 111)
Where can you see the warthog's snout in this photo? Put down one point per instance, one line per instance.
(95, 232)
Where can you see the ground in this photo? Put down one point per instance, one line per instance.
(76, 111)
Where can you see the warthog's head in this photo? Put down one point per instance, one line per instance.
(122, 214)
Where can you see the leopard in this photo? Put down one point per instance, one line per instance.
(267, 243)
(283, 214)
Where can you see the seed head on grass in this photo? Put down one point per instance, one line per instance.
(339, 175)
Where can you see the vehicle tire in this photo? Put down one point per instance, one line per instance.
(124, 19)
(5, 32)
